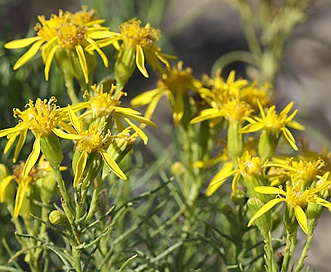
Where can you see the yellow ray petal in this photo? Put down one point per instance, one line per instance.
(82, 61)
(96, 48)
(264, 209)
(19, 199)
(20, 143)
(28, 55)
(21, 42)
(48, 61)
(142, 135)
(301, 218)
(140, 61)
(113, 165)
(80, 167)
(268, 190)
(33, 157)
(3, 185)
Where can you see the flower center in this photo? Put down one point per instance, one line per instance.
(103, 104)
(177, 79)
(250, 166)
(92, 140)
(133, 34)
(40, 117)
(70, 35)
(295, 196)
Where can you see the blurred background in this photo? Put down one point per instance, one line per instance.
(291, 49)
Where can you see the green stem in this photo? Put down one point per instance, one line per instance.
(69, 82)
(269, 252)
(305, 249)
(94, 201)
(70, 216)
(291, 242)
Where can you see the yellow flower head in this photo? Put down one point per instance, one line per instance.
(217, 90)
(235, 110)
(174, 84)
(275, 124)
(42, 118)
(301, 172)
(70, 31)
(133, 34)
(249, 166)
(296, 199)
(104, 105)
(252, 94)
(89, 142)
(92, 140)
(24, 182)
(224, 100)
(139, 42)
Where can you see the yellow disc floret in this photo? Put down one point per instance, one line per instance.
(41, 116)
(134, 34)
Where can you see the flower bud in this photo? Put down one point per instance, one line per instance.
(264, 222)
(314, 210)
(51, 148)
(267, 144)
(235, 140)
(47, 186)
(124, 66)
(58, 218)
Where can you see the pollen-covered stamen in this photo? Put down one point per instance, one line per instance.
(295, 196)
(93, 140)
(83, 16)
(177, 79)
(70, 35)
(236, 110)
(46, 29)
(33, 175)
(40, 117)
(103, 104)
(134, 34)
(250, 166)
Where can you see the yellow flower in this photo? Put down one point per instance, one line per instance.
(174, 84)
(224, 99)
(42, 118)
(104, 105)
(24, 181)
(68, 31)
(217, 89)
(233, 110)
(248, 166)
(301, 172)
(90, 142)
(140, 40)
(275, 124)
(295, 198)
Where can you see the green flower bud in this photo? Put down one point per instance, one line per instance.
(47, 186)
(51, 148)
(68, 62)
(264, 222)
(239, 197)
(314, 210)
(267, 144)
(290, 222)
(235, 140)
(58, 218)
(124, 66)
